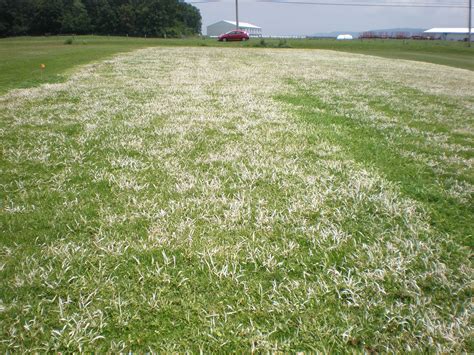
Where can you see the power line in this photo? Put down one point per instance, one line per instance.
(355, 4)
(386, 4)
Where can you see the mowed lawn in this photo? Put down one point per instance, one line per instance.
(239, 199)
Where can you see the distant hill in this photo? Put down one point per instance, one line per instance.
(409, 31)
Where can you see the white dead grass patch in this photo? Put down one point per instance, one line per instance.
(430, 112)
(225, 183)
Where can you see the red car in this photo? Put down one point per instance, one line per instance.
(235, 35)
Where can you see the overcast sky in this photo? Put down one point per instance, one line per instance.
(293, 19)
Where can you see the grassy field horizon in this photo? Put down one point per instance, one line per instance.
(147, 207)
(20, 57)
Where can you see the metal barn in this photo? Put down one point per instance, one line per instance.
(450, 34)
(224, 26)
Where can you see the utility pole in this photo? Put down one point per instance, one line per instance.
(469, 25)
(237, 14)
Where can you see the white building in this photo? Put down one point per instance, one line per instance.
(344, 37)
(224, 26)
(450, 34)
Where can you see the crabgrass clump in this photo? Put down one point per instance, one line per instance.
(262, 43)
(283, 43)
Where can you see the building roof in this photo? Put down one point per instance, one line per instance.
(242, 24)
(462, 30)
(344, 37)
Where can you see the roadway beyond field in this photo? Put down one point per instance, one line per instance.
(223, 199)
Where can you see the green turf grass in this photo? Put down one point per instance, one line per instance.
(147, 207)
(454, 54)
(377, 148)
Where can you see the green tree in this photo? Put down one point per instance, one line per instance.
(134, 17)
(76, 19)
(126, 17)
(48, 17)
(105, 19)
(15, 17)
(190, 16)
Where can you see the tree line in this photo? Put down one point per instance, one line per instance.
(157, 18)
